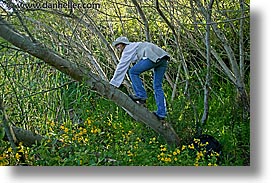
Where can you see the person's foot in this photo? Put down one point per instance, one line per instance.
(162, 120)
(159, 118)
(138, 100)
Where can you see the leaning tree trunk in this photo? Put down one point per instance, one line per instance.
(82, 74)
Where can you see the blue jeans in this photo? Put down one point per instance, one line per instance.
(159, 70)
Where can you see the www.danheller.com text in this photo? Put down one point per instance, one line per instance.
(57, 5)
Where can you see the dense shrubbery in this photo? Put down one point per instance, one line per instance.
(101, 133)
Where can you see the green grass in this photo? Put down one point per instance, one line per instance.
(101, 133)
(83, 129)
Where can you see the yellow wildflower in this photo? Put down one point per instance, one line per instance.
(217, 154)
(66, 130)
(168, 159)
(93, 130)
(196, 140)
(191, 146)
(21, 150)
(9, 149)
(163, 149)
(84, 131)
(199, 154)
(201, 144)
(89, 122)
(17, 156)
(130, 154)
(183, 147)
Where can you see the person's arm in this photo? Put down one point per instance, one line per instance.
(122, 67)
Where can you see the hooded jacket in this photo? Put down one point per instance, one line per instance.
(151, 51)
(134, 52)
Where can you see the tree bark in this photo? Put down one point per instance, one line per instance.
(27, 137)
(241, 40)
(81, 74)
(208, 74)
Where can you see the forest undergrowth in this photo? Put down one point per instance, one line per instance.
(80, 128)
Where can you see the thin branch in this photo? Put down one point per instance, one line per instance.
(144, 19)
(22, 23)
(49, 90)
(208, 54)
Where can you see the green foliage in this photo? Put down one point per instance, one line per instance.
(83, 129)
(2, 132)
(107, 136)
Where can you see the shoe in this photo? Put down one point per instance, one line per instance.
(159, 118)
(138, 100)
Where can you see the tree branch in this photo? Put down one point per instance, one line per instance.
(144, 19)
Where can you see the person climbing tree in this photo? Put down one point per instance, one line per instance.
(145, 56)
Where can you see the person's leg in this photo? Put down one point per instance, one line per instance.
(159, 94)
(134, 72)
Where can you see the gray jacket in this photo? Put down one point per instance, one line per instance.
(133, 53)
(151, 51)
